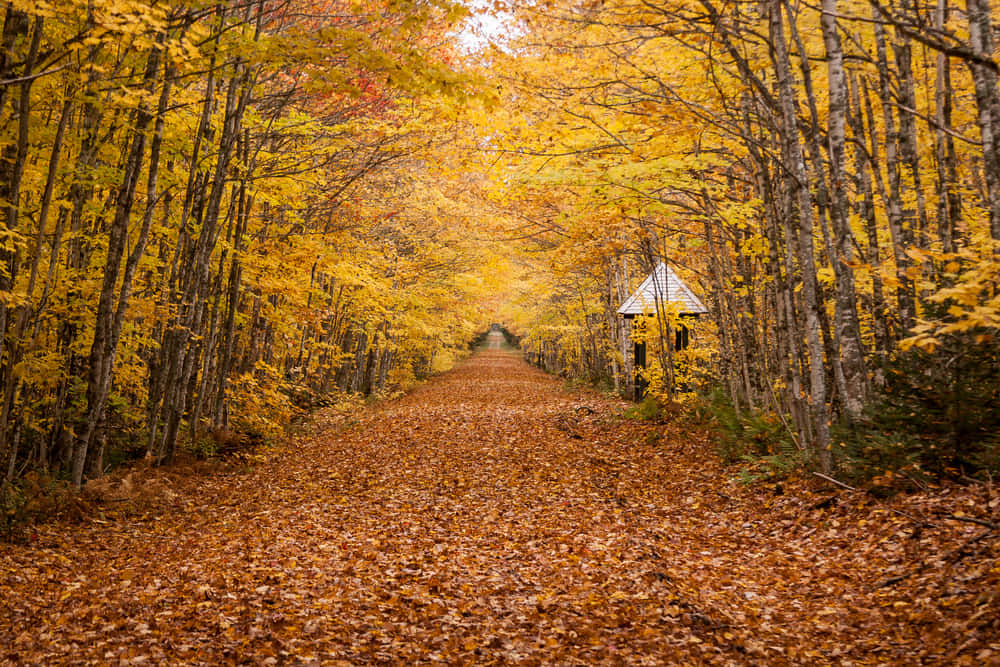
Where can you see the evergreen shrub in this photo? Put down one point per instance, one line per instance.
(938, 413)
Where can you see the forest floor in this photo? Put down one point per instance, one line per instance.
(494, 517)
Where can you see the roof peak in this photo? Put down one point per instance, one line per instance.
(662, 285)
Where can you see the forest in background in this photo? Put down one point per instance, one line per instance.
(217, 213)
(825, 175)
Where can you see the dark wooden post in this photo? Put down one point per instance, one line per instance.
(641, 384)
(682, 337)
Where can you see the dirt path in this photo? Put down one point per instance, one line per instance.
(491, 517)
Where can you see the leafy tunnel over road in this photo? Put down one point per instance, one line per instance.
(494, 517)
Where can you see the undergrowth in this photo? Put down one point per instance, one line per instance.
(597, 381)
(759, 442)
(652, 409)
(33, 497)
(936, 416)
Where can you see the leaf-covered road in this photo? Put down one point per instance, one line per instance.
(490, 517)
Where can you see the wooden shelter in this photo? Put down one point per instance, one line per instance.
(661, 287)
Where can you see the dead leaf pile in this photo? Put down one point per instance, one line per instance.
(491, 517)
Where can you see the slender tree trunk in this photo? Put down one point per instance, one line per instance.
(24, 313)
(217, 296)
(898, 224)
(16, 24)
(988, 101)
(798, 184)
(818, 161)
(949, 210)
(849, 335)
(228, 333)
(108, 320)
(909, 149)
(195, 288)
(866, 212)
(13, 158)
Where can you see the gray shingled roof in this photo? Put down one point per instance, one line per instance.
(662, 285)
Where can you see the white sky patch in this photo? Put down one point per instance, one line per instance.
(486, 26)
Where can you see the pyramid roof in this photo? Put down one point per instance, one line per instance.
(662, 286)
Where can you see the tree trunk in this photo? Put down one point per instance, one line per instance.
(849, 335)
(109, 318)
(949, 200)
(798, 185)
(898, 225)
(909, 149)
(195, 287)
(13, 157)
(228, 333)
(866, 212)
(987, 99)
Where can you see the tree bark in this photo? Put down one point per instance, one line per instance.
(13, 158)
(849, 335)
(988, 101)
(181, 356)
(949, 209)
(898, 225)
(866, 212)
(798, 185)
(108, 320)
